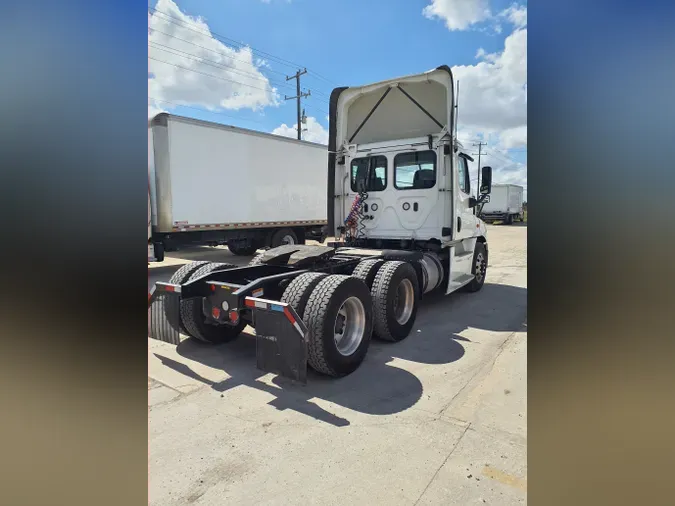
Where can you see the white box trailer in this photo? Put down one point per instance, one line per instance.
(505, 204)
(217, 184)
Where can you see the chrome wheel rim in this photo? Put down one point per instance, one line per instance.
(288, 239)
(350, 326)
(480, 267)
(404, 301)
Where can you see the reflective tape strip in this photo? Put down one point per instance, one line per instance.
(297, 327)
(182, 226)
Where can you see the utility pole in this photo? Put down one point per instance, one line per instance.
(298, 97)
(480, 147)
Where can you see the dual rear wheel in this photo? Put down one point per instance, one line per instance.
(342, 313)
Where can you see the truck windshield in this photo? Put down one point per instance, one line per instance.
(369, 174)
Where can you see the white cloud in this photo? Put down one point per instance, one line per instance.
(315, 132)
(514, 137)
(493, 102)
(458, 14)
(239, 83)
(516, 14)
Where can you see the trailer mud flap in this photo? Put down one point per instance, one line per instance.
(164, 316)
(281, 345)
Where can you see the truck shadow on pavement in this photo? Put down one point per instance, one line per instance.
(378, 387)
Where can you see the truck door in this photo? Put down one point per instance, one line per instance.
(367, 174)
(465, 222)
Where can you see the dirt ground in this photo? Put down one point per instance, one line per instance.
(439, 418)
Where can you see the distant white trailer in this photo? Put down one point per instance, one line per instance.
(218, 184)
(506, 204)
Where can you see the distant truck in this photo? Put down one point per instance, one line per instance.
(505, 204)
(213, 184)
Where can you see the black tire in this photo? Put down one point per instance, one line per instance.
(180, 277)
(509, 219)
(194, 320)
(257, 260)
(184, 273)
(298, 291)
(366, 271)
(320, 317)
(242, 251)
(279, 235)
(165, 322)
(385, 294)
(479, 280)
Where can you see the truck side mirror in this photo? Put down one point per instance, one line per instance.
(486, 180)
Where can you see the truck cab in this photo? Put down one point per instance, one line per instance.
(398, 177)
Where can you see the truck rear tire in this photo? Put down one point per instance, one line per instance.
(298, 291)
(194, 320)
(243, 251)
(283, 236)
(180, 277)
(366, 271)
(509, 219)
(395, 294)
(257, 260)
(339, 319)
(479, 268)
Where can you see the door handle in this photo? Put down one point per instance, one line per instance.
(459, 224)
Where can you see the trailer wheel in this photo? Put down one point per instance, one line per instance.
(479, 268)
(366, 271)
(339, 319)
(509, 219)
(298, 291)
(395, 294)
(283, 236)
(195, 321)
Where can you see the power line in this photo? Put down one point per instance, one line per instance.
(220, 53)
(209, 75)
(277, 59)
(506, 155)
(227, 80)
(503, 158)
(216, 64)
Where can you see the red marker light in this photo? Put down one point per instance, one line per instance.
(234, 316)
(215, 312)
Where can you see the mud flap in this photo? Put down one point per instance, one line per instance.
(281, 345)
(164, 316)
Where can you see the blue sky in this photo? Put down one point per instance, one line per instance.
(197, 60)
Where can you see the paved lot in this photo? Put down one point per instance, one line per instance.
(439, 418)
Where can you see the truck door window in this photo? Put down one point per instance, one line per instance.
(415, 170)
(463, 175)
(369, 174)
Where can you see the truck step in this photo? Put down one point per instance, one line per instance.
(459, 282)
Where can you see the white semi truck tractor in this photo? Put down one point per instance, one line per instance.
(401, 211)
